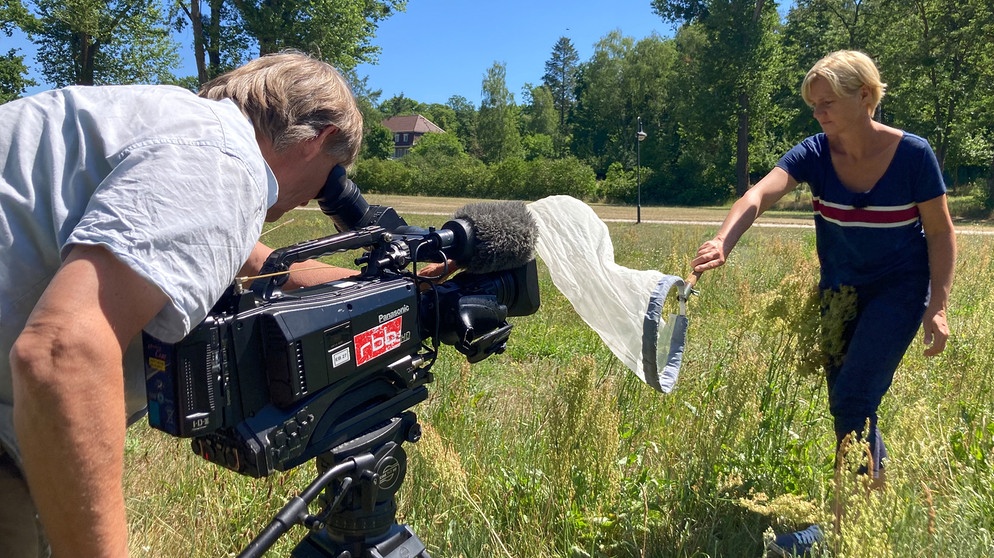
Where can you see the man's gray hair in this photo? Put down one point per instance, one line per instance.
(291, 97)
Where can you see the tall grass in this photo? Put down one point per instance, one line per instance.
(554, 449)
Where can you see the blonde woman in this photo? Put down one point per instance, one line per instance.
(883, 231)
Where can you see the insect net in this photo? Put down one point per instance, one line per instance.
(623, 306)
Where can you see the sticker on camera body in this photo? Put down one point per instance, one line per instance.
(341, 357)
(377, 341)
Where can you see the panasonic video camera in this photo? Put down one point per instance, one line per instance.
(271, 379)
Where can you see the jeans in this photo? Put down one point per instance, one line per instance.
(888, 315)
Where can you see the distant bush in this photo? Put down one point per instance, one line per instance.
(444, 171)
(568, 176)
(382, 176)
(460, 178)
(618, 186)
(509, 180)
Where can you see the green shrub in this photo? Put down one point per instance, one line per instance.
(508, 180)
(382, 176)
(461, 178)
(568, 176)
(618, 186)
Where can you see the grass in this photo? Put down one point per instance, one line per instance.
(554, 449)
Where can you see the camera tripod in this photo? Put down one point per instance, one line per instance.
(357, 484)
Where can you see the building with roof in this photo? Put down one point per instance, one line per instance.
(407, 130)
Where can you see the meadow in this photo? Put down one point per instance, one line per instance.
(555, 449)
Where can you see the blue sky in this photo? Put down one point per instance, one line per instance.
(440, 48)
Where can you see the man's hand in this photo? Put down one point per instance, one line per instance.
(438, 272)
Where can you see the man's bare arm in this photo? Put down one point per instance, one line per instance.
(69, 410)
(302, 274)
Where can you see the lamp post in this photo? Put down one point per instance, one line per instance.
(639, 137)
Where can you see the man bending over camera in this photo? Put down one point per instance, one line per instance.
(127, 208)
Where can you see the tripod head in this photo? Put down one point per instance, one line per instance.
(357, 486)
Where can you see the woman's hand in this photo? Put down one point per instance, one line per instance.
(936, 330)
(710, 255)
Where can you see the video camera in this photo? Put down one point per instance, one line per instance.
(271, 379)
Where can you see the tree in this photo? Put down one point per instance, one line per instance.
(377, 140)
(398, 105)
(849, 21)
(338, 31)
(705, 137)
(219, 39)
(538, 112)
(930, 62)
(650, 74)
(560, 78)
(623, 81)
(465, 124)
(977, 115)
(13, 71)
(497, 128)
(89, 42)
(740, 54)
(539, 123)
(603, 116)
(13, 76)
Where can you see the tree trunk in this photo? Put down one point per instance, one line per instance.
(742, 147)
(196, 19)
(87, 54)
(214, 44)
(990, 186)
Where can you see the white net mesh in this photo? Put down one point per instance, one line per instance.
(622, 305)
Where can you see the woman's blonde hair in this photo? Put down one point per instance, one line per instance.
(846, 71)
(291, 97)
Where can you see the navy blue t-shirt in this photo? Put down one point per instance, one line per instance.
(864, 237)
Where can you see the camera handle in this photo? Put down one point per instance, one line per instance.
(273, 272)
(357, 482)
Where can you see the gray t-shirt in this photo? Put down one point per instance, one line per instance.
(173, 185)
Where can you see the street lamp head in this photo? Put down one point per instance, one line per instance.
(641, 135)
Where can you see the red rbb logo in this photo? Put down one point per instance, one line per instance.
(377, 341)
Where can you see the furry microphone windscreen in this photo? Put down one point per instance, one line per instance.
(504, 235)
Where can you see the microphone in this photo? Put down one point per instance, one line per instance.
(482, 237)
(491, 236)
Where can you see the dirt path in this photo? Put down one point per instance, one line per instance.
(613, 213)
(617, 213)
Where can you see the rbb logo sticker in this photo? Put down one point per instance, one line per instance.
(378, 341)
